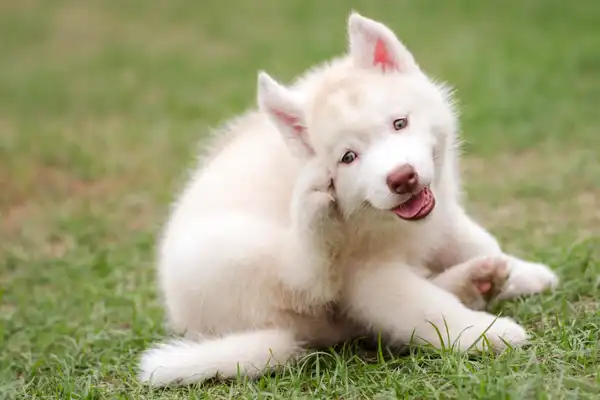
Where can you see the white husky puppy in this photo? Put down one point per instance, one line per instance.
(313, 218)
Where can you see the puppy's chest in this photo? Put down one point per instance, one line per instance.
(416, 248)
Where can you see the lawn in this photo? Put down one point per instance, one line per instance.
(104, 103)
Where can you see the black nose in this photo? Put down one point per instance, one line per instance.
(403, 180)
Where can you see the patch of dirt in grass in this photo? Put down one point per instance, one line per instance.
(80, 28)
(40, 182)
(85, 28)
(539, 193)
(20, 5)
(587, 305)
(31, 208)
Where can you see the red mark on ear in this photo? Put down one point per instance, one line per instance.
(382, 56)
(289, 120)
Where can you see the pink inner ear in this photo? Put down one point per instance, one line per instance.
(290, 120)
(382, 56)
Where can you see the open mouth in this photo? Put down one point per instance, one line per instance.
(417, 207)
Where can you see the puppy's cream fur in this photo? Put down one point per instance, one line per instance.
(263, 258)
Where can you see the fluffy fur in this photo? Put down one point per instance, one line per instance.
(282, 241)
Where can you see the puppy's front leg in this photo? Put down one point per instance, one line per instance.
(465, 240)
(314, 236)
(393, 300)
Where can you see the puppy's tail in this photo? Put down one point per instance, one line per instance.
(249, 354)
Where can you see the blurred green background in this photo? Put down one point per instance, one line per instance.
(103, 105)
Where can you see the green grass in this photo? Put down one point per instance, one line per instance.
(102, 106)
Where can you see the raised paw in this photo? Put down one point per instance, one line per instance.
(314, 207)
(313, 188)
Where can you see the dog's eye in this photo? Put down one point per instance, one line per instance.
(400, 123)
(348, 157)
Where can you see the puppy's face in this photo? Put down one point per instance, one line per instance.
(378, 124)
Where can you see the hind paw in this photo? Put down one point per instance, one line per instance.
(489, 275)
(484, 279)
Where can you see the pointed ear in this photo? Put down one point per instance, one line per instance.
(283, 109)
(374, 45)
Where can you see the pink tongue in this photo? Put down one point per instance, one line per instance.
(413, 206)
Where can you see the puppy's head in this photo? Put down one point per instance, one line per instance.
(376, 119)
